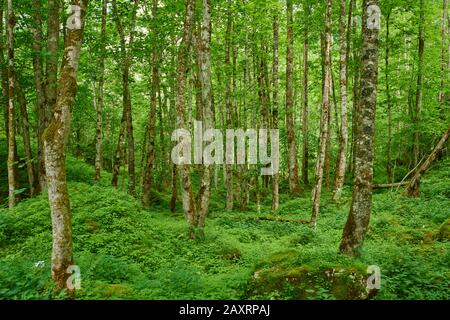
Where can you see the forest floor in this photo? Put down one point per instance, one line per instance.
(126, 252)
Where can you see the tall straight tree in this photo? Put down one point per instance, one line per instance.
(305, 113)
(39, 83)
(127, 119)
(229, 105)
(325, 117)
(51, 86)
(419, 90)
(275, 178)
(445, 56)
(341, 162)
(184, 51)
(358, 219)
(151, 129)
(12, 177)
(99, 104)
(54, 141)
(290, 126)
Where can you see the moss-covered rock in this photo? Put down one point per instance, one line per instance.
(444, 231)
(281, 277)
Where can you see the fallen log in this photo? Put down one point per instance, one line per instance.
(413, 187)
(389, 185)
(261, 218)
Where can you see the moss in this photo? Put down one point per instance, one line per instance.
(300, 281)
(444, 231)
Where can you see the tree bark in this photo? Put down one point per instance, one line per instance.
(413, 187)
(358, 220)
(184, 51)
(275, 84)
(419, 92)
(151, 124)
(26, 138)
(229, 112)
(39, 82)
(316, 191)
(343, 137)
(208, 118)
(54, 140)
(12, 166)
(126, 98)
(99, 111)
(389, 101)
(292, 147)
(444, 55)
(52, 57)
(305, 160)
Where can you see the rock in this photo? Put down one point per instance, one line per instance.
(285, 280)
(444, 231)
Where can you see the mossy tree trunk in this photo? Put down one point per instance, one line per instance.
(325, 117)
(358, 219)
(54, 141)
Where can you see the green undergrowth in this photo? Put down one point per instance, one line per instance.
(126, 252)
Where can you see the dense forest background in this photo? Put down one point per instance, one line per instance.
(360, 94)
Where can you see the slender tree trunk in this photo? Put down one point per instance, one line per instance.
(26, 137)
(419, 92)
(444, 56)
(275, 178)
(316, 192)
(12, 182)
(413, 187)
(358, 220)
(292, 147)
(126, 65)
(229, 106)
(52, 57)
(54, 140)
(99, 111)
(208, 119)
(305, 113)
(389, 102)
(39, 82)
(151, 133)
(184, 51)
(343, 138)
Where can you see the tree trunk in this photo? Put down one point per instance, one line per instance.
(52, 57)
(151, 132)
(12, 166)
(292, 148)
(99, 111)
(316, 192)
(358, 220)
(444, 55)
(26, 138)
(182, 68)
(305, 132)
(419, 92)
(228, 167)
(126, 99)
(343, 137)
(54, 140)
(41, 103)
(208, 119)
(413, 187)
(389, 102)
(275, 178)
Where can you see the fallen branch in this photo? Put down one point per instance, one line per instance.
(390, 185)
(412, 189)
(262, 218)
